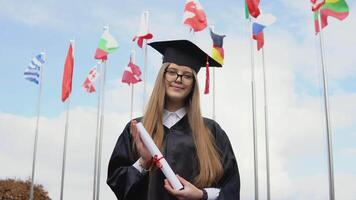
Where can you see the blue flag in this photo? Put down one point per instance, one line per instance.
(33, 71)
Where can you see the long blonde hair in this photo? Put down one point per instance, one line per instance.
(210, 167)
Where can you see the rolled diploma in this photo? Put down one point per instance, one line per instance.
(154, 151)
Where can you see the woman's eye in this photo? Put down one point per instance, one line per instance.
(187, 76)
(171, 72)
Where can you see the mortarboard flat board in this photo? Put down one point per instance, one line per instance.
(185, 53)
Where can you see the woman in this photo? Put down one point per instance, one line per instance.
(196, 148)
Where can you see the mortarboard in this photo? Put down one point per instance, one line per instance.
(186, 53)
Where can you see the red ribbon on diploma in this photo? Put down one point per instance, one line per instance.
(156, 161)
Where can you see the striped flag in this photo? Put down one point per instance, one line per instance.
(218, 50)
(107, 45)
(333, 8)
(328, 8)
(33, 71)
(260, 23)
(88, 84)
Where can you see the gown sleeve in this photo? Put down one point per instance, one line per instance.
(229, 184)
(123, 178)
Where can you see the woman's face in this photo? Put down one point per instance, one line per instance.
(179, 82)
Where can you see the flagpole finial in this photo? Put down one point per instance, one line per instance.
(106, 28)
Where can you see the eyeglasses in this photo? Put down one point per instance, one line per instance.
(172, 75)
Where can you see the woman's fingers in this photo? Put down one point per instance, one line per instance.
(139, 144)
(134, 131)
(182, 180)
(170, 189)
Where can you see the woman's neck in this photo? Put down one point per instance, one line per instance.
(173, 106)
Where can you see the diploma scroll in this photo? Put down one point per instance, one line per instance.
(154, 151)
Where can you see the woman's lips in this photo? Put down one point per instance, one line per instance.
(177, 88)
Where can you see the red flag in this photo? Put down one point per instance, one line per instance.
(68, 73)
(88, 84)
(260, 40)
(143, 33)
(316, 4)
(252, 6)
(131, 74)
(194, 15)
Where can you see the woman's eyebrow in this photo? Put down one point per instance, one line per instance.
(183, 71)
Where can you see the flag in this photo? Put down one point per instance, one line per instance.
(252, 7)
(131, 74)
(143, 33)
(316, 22)
(88, 84)
(194, 15)
(258, 25)
(333, 8)
(33, 71)
(107, 45)
(218, 50)
(316, 4)
(68, 73)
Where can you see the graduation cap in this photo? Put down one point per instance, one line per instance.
(186, 53)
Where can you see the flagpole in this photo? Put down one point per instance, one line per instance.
(214, 114)
(97, 133)
(64, 149)
(255, 157)
(212, 29)
(327, 116)
(65, 138)
(266, 125)
(132, 85)
(36, 132)
(102, 101)
(146, 13)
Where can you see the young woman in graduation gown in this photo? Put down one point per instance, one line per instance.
(197, 149)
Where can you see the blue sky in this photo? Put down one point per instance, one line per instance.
(297, 133)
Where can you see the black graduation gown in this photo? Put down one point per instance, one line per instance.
(179, 150)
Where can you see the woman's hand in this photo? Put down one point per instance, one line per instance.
(190, 192)
(141, 148)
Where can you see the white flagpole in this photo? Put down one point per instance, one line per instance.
(97, 132)
(102, 101)
(212, 29)
(65, 140)
(255, 152)
(36, 131)
(214, 114)
(327, 116)
(132, 85)
(145, 72)
(266, 125)
(64, 149)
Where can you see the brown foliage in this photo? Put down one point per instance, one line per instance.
(11, 189)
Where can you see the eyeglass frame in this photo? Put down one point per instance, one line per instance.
(179, 75)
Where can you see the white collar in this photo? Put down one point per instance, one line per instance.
(171, 118)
